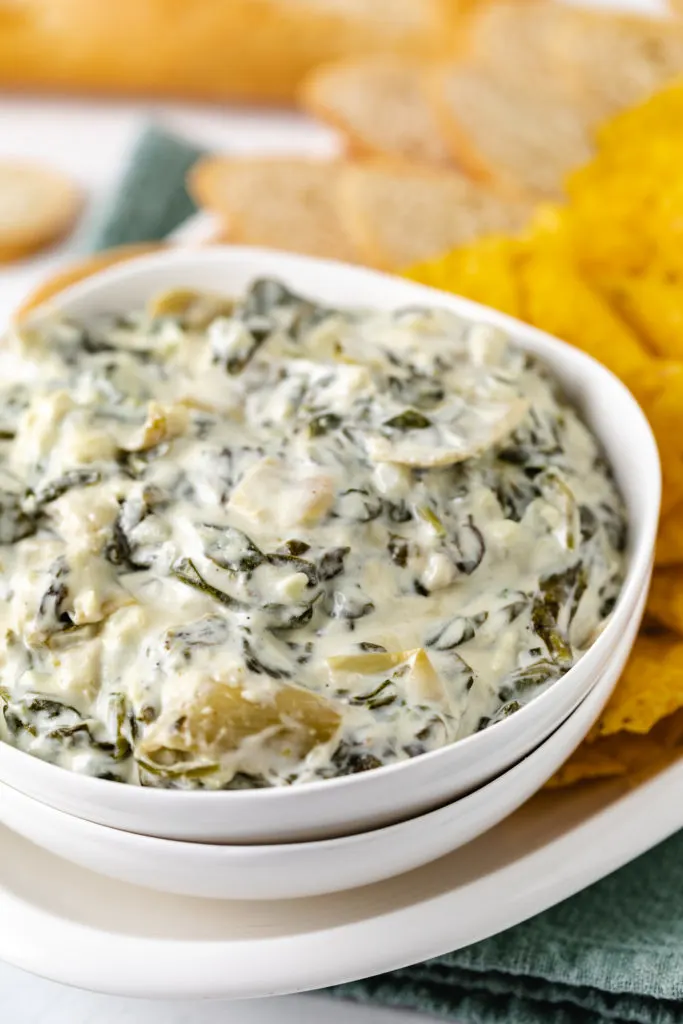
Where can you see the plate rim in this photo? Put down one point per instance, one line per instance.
(39, 941)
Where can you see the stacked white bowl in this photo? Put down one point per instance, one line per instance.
(345, 832)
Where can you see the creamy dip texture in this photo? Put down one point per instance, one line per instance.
(264, 542)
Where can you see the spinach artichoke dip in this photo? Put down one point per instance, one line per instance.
(262, 542)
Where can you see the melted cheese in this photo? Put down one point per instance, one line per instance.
(264, 542)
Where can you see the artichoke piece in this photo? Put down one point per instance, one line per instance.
(162, 423)
(195, 310)
(220, 718)
(304, 495)
(372, 678)
(447, 439)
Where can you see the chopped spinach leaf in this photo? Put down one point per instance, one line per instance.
(470, 547)
(349, 761)
(398, 550)
(15, 521)
(411, 419)
(295, 547)
(458, 631)
(61, 484)
(186, 572)
(231, 549)
(332, 563)
(321, 425)
(377, 698)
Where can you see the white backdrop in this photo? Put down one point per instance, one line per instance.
(91, 142)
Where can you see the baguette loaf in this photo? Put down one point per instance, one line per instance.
(216, 49)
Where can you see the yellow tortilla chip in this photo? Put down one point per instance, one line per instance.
(665, 600)
(557, 299)
(653, 307)
(624, 754)
(588, 762)
(672, 473)
(484, 271)
(610, 213)
(661, 113)
(551, 231)
(669, 549)
(659, 389)
(650, 688)
(626, 214)
(669, 732)
(656, 380)
(671, 456)
(665, 413)
(666, 221)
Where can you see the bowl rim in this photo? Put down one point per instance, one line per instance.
(147, 844)
(525, 336)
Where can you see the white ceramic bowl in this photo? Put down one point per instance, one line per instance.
(396, 792)
(309, 869)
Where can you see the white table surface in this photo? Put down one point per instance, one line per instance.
(90, 141)
(27, 1000)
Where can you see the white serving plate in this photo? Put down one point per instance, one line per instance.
(358, 803)
(297, 870)
(75, 927)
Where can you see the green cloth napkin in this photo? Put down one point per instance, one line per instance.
(612, 953)
(151, 199)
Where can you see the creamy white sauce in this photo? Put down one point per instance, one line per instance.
(262, 543)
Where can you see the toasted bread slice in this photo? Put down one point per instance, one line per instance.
(519, 136)
(37, 206)
(398, 216)
(607, 60)
(379, 105)
(618, 60)
(522, 36)
(281, 202)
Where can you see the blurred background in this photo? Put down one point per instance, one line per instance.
(81, 83)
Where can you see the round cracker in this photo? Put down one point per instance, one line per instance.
(77, 272)
(37, 206)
